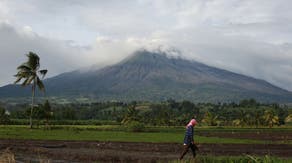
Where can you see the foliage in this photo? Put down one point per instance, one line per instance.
(131, 115)
(135, 126)
(270, 118)
(168, 113)
(44, 112)
(4, 118)
(265, 159)
(210, 119)
(288, 118)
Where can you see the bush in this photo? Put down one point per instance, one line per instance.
(135, 126)
(4, 118)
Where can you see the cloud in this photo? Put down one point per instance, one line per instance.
(249, 37)
(259, 59)
(57, 56)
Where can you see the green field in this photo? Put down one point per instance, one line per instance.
(117, 133)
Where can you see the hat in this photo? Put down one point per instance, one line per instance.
(193, 122)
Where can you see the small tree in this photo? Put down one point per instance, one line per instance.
(48, 113)
(131, 115)
(257, 118)
(45, 113)
(270, 118)
(210, 119)
(4, 118)
(242, 117)
(131, 119)
(288, 119)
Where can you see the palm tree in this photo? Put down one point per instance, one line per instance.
(270, 118)
(210, 119)
(131, 115)
(29, 71)
(4, 117)
(243, 117)
(257, 118)
(288, 119)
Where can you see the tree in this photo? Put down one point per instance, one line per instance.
(4, 118)
(29, 71)
(288, 119)
(237, 122)
(47, 113)
(69, 113)
(281, 112)
(131, 115)
(270, 118)
(210, 119)
(257, 118)
(248, 103)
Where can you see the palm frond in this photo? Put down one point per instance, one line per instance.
(24, 74)
(40, 84)
(30, 79)
(18, 79)
(33, 60)
(24, 67)
(24, 82)
(43, 73)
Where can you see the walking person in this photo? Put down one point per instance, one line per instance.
(189, 139)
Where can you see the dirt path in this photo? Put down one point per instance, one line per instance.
(90, 151)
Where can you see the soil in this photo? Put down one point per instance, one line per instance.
(94, 151)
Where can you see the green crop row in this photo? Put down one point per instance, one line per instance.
(104, 133)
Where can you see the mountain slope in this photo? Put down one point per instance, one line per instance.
(155, 77)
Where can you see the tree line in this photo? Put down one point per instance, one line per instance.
(167, 113)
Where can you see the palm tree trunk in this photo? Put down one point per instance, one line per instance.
(32, 104)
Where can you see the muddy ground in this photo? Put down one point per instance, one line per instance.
(93, 151)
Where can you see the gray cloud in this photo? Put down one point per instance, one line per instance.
(56, 55)
(249, 37)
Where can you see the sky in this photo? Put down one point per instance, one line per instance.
(250, 37)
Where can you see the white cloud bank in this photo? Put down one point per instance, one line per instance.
(249, 37)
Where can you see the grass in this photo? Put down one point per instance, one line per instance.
(111, 133)
(234, 159)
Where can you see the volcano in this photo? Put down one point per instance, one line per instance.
(154, 76)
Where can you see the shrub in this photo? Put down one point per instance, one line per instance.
(4, 118)
(135, 126)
